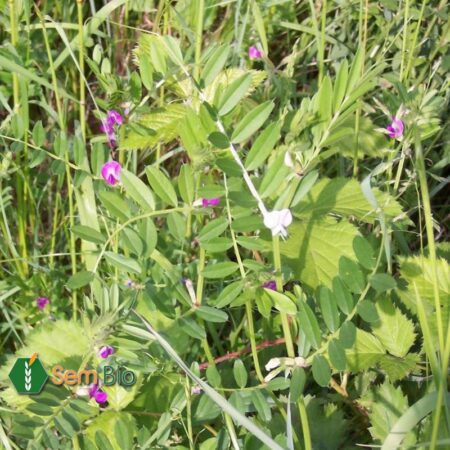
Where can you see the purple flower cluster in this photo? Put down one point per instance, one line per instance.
(396, 128)
(113, 118)
(210, 202)
(105, 351)
(111, 172)
(41, 302)
(97, 394)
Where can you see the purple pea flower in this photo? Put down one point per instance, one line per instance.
(210, 202)
(396, 128)
(105, 351)
(111, 172)
(271, 284)
(113, 118)
(99, 396)
(196, 390)
(41, 302)
(254, 53)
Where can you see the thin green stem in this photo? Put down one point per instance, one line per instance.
(200, 10)
(405, 38)
(321, 55)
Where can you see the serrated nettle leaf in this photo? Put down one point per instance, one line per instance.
(263, 146)
(308, 324)
(321, 370)
(393, 329)
(80, 279)
(229, 294)
(234, 93)
(366, 351)
(252, 122)
(240, 373)
(282, 302)
(336, 354)
(161, 185)
(213, 229)
(215, 64)
(88, 234)
(137, 190)
(123, 262)
(211, 314)
(220, 270)
(186, 184)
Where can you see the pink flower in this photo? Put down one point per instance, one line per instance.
(196, 390)
(113, 118)
(99, 396)
(271, 284)
(111, 172)
(396, 128)
(254, 53)
(105, 351)
(210, 202)
(41, 302)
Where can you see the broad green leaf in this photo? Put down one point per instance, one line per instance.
(321, 370)
(172, 48)
(351, 275)
(211, 314)
(367, 311)
(219, 140)
(115, 204)
(340, 85)
(261, 405)
(213, 229)
(229, 294)
(305, 186)
(38, 134)
(259, 22)
(161, 185)
(132, 241)
(345, 197)
(355, 70)
(282, 302)
(63, 426)
(382, 282)
(263, 145)
(308, 324)
(328, 306)
(234, 93)
(347, 334)
(146, 69)
(336, 354)
(342, 295)
(252, 122)
(176, 223)
(215, 64)
(324, 100)
(313, 252)
(186, 184)
(240, 373)
(274, 178)
(123, 262)
(394, 330)
(80, 279)
(88, 234)
(220, 270)
(364, 252)
(192, 328)
(217, 245)
(298, 381)
(213, 376)
(138, 190)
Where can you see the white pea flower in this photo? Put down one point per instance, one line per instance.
(288, 160)
(278, 221)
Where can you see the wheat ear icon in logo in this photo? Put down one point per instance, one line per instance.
(28, 365)
(28, 375)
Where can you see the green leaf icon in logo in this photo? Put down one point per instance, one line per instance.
(28, 375)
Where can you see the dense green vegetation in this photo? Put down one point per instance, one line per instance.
(243, 202)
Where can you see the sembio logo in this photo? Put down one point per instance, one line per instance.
(29, 376)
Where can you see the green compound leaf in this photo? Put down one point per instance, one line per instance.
(252, 122)
(321, 370)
